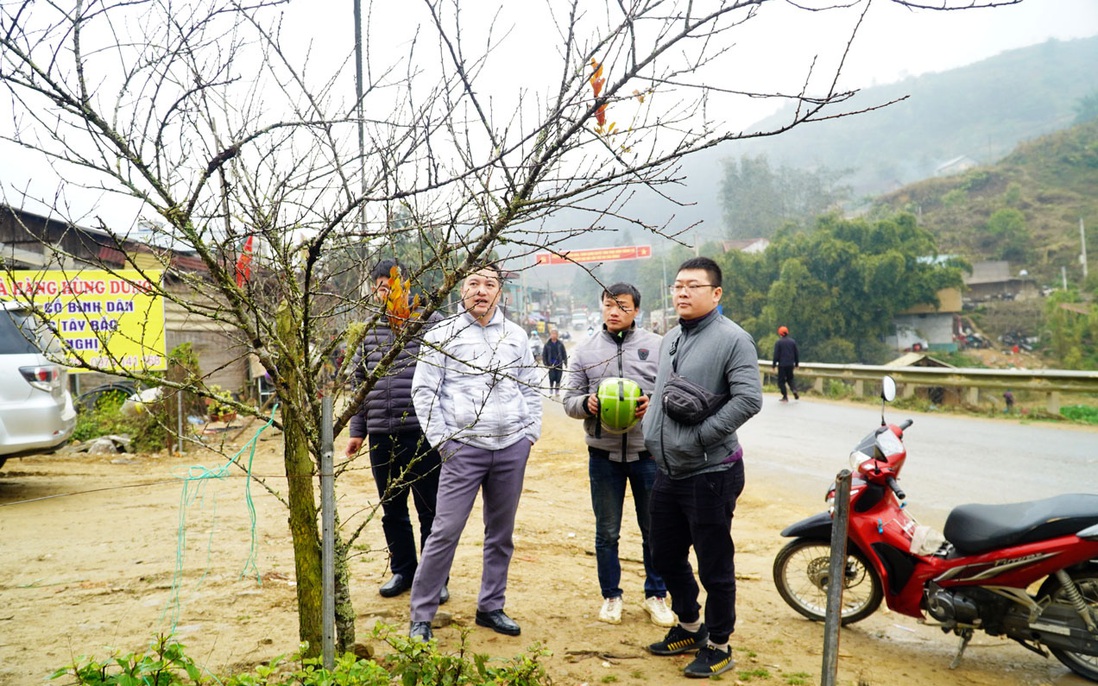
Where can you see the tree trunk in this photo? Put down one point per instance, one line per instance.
(299, 475)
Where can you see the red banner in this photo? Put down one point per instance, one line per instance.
(633, 252)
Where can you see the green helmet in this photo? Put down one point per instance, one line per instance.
(618, 404)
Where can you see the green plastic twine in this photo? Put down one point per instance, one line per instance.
(198, 476)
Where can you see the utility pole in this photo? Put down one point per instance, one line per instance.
(365, 288)
(663, 300)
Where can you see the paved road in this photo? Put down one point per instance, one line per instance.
(951, 459)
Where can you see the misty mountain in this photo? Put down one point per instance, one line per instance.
(979, 112)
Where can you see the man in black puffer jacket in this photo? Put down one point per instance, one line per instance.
(400, 457)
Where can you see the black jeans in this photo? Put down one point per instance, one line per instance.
(401, 463)
(785, 376)
(697, 511)
(555, 375)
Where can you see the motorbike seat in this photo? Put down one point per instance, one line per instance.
(975, 529)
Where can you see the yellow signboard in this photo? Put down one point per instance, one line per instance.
(111, 320)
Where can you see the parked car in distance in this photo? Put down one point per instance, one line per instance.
(36, 408)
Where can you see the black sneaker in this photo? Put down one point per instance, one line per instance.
(710, 662)
(679, 640)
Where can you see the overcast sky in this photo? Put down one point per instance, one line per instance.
(893, 43)
(901, 42)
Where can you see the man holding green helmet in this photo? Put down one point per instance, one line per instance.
(610, 379)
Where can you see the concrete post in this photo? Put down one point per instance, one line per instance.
(836, 575)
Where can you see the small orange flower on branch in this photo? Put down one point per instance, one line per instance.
(396, 303)
(598, 82)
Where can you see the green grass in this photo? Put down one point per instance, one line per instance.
(751, 674)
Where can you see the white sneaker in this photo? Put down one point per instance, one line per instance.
(611, 611)
(658, 612)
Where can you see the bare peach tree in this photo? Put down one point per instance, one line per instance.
(480, 131)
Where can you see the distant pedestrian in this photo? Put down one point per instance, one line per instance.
(1009, 398)
(555, 357)
(786, 358)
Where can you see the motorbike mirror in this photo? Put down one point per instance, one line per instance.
(888, 389)
(888, 394)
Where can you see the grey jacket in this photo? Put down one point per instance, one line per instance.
(476, 384)
(716, 353)
(631, 354)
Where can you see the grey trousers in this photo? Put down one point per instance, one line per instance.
(466, 470)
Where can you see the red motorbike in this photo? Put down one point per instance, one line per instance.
(975, 575)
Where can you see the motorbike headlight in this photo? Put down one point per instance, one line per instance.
(857, 459)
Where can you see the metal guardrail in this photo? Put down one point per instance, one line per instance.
(972, 381)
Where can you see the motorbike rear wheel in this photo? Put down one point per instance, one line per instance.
(1086, 580)
(801, 571)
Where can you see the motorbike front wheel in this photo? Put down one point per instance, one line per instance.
(1087, 582)
(801, 571)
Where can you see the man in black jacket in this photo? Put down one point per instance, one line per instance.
(701, 473)
(786, 358)
(400, 457)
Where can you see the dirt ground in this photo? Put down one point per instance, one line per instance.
(100, 553)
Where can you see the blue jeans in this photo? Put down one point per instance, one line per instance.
(608, 479)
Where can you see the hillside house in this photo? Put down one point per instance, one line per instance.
(926, 327)
(751, 246)
(991, 280)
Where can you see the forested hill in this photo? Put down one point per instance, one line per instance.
(1024, 209)
(981, 111)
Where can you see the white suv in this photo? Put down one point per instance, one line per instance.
(36, 409)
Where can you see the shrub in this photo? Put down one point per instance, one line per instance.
(146, 429)
(153, 429)
(1081, 413)
(164, 665)
(419, 663)
(410, 663)
(183, 368)
(835, 388)
(220, 404)
(103, 418)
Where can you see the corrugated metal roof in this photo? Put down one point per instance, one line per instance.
(917, 360)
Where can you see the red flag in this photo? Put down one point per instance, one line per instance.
(244, 262)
